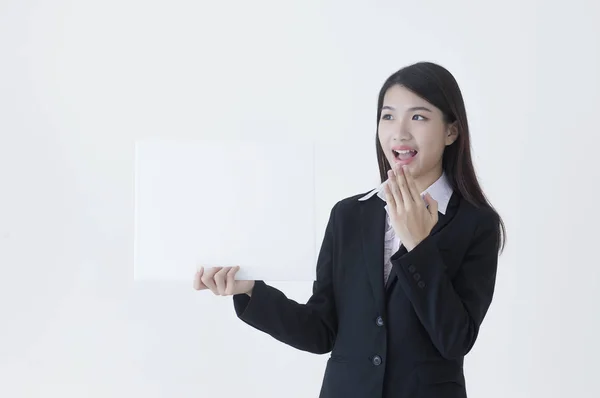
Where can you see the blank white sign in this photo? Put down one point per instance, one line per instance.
(224, 203)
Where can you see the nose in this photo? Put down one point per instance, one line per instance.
(402, 132)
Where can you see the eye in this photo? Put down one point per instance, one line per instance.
(386, 116)
(423, 118)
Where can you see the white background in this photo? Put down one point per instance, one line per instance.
(81, 80)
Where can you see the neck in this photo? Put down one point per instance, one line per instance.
(424, 181)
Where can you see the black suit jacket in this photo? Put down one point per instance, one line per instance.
(407, 338)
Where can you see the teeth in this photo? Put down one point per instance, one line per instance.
(404, 152)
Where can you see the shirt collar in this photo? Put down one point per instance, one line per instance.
(440, 190)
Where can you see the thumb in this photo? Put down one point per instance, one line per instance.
(432, 204)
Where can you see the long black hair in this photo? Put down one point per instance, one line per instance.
(436, 85)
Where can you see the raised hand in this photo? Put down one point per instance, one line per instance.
(411, 218)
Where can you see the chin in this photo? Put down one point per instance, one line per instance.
(414, 170)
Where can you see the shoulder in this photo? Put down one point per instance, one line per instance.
(482, 216)
(479, 213)
(484, 220)
(353, 202)
(349, 208)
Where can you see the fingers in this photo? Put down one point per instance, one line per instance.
(394, 191)
(220, 280)
(230, 280)
(208, 278)
(389, 197)
(404, 190)
(412, 186)
(433, 206)
(198, 285)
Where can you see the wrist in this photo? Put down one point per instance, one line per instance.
(409, 246)
(414, 243)
(249, 292)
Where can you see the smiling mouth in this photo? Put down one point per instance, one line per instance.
(404, 154)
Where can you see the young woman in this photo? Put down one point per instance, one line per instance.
(406, 272)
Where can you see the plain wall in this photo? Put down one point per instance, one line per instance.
(80, 81)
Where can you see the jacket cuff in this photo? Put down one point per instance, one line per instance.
(421, 266)
(246, 306)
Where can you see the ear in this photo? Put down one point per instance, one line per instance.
(451, 133)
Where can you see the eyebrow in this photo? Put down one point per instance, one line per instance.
(414, 108)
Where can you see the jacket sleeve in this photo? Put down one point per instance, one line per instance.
(451, 310)
(309, 327)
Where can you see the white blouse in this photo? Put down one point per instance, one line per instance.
(391, 246)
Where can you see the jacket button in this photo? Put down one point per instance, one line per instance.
(421, 284)
(411, 269)
(376, 360)
(417, 276)
(379, 321)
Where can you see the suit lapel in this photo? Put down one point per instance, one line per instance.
(443, 219)
(373, 234)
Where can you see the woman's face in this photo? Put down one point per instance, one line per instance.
(413, 132)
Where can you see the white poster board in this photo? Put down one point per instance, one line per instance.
(224, 203)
